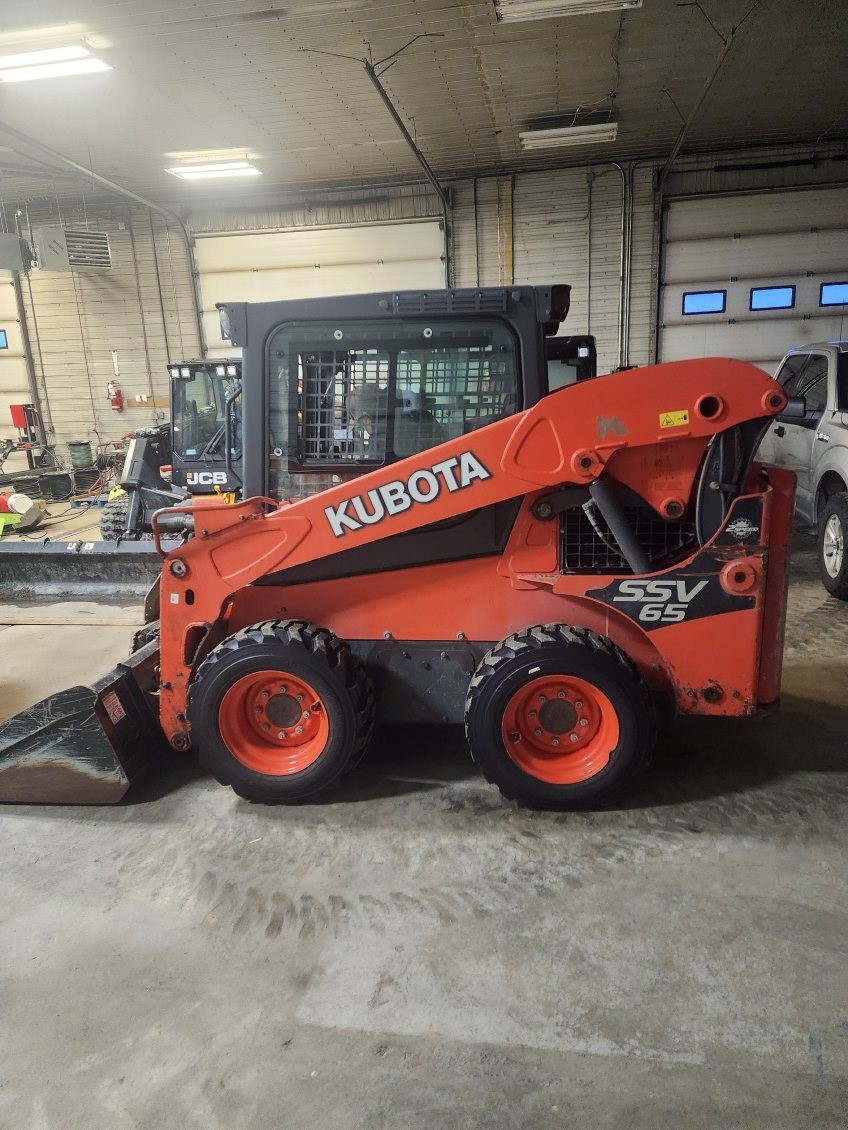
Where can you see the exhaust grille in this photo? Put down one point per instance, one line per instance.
(585, 550)
(491, 301)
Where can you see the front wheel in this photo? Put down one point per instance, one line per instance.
(558, 717)
(833, 560)
(281, 710)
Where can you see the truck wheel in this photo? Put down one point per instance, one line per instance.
(113, 520)
(281, 710)
(558, 717)
(833, 559)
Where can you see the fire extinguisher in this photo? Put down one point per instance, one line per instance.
(115, 396)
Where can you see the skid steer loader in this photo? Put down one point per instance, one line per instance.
(555, 569)
(201, 445)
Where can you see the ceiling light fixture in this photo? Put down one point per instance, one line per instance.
(513, 11)
(568, 137)
(214, 170)
(52, 62)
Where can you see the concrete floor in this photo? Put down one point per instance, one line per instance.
(416, 953)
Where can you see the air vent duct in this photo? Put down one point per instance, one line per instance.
(61, 249)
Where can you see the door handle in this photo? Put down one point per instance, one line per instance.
(823, 437)
(780, 431)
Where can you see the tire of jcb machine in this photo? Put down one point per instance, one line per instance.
(113, 520)
(832, 534)
(281, 710)
(559, 718)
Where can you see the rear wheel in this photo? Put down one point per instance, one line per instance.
(558, 717)
(281, 710)
(833, 558)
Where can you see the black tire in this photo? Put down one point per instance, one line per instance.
(831, 545)
(303, 652)
(113, 520)
(553, 651)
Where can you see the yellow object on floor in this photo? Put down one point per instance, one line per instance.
(8, 520)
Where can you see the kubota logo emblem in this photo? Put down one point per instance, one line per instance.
(666, 601)
(422, 486)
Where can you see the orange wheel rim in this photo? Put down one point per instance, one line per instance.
(273, 723)
(560, 729)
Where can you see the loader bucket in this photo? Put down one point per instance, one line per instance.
(84, 745)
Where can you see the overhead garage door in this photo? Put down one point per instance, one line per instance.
(314, 262)
(749, 276)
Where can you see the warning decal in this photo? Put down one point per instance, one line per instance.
(673, 419)
(113, 707)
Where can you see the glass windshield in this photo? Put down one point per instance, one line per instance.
(198, 422)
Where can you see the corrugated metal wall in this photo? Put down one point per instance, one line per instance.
(76, 319)
(566, 227)
(14, 386)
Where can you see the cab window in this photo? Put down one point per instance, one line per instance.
(343, 397)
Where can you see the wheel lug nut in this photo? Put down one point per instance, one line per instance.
(266, 726)
(258, 709)
(532, 713)
(305, 714)
(579, 704)
(281, 734)
(538, 733)
(541, 698)
(555, 741)
(300, 698)
(573, 738)
(265, 694)
(298, 729)
(584, 721)
(560, 694)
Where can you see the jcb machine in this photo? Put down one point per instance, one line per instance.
(201, 445)
(557, 569)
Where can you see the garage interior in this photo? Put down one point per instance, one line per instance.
(410, 948)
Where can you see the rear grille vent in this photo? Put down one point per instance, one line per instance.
(492, 301)
(584, 550)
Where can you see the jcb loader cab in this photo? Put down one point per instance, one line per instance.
(554, 567)
(200, 449)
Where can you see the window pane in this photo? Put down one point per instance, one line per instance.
(816, 395)
(791, 371)
(772, 297)
(345, 398)
(704, 302)
(833, 294)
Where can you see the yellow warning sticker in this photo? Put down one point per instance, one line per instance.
(673, 419)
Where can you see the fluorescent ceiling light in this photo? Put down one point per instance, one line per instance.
(568, 136)
(512, 11)
(53, 62)
(215, 170)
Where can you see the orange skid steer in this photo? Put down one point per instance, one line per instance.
(557, 567)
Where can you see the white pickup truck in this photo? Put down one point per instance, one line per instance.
(815, 447)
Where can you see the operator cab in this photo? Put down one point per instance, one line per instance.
(206, 426)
